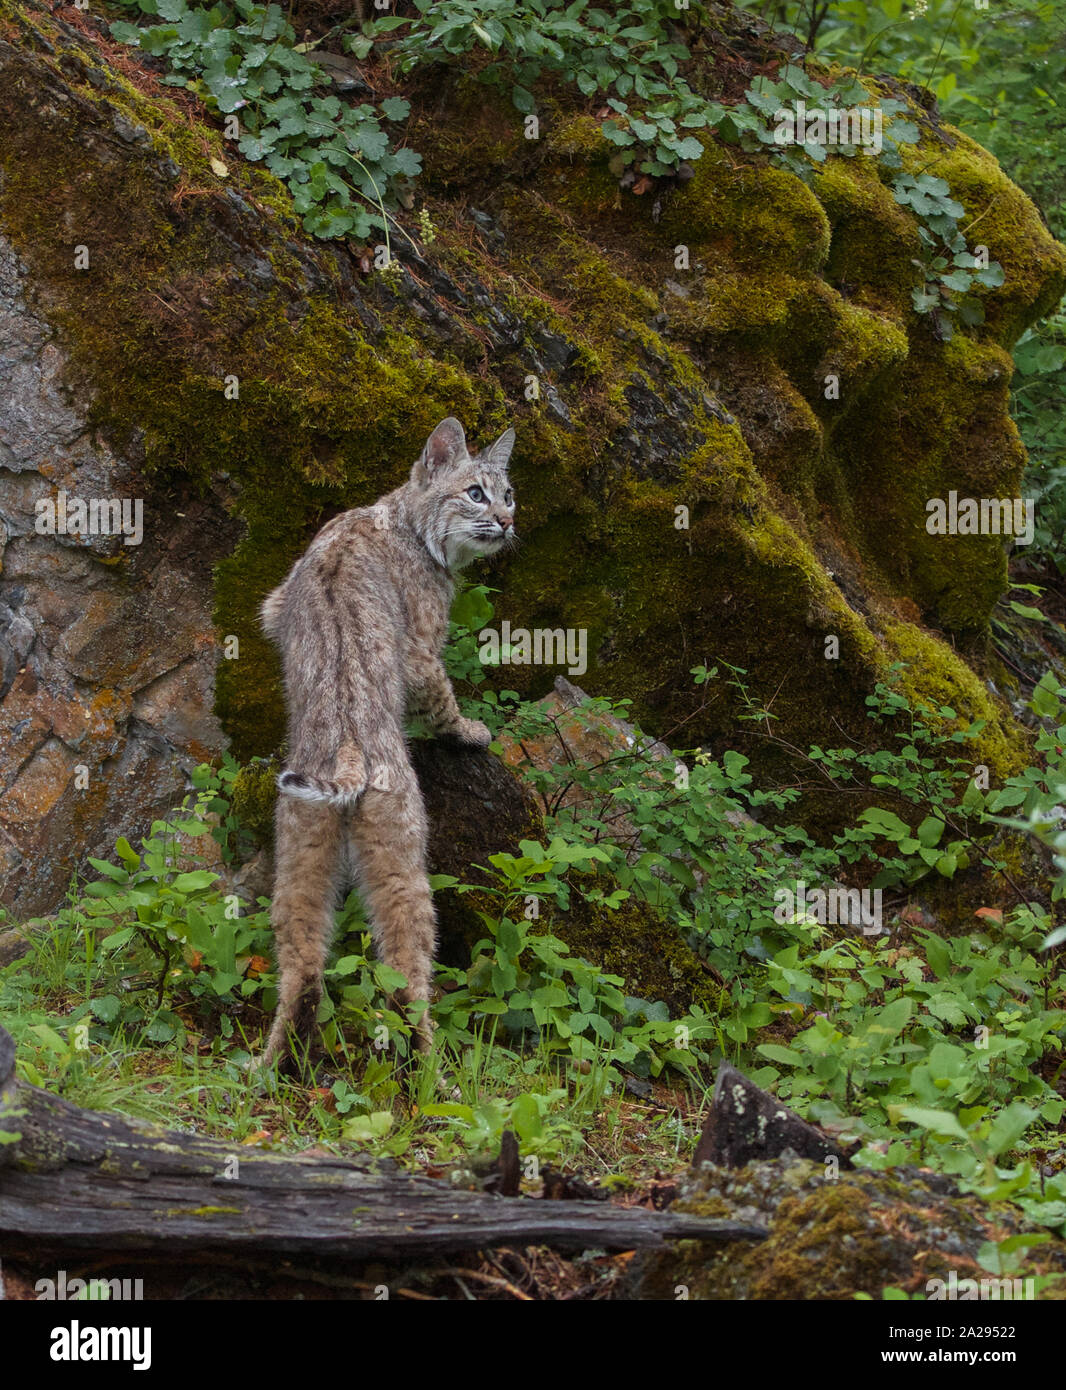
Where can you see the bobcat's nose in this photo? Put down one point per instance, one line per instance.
(505, 522)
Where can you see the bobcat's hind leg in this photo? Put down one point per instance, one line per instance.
(388, 839)
(307, 853)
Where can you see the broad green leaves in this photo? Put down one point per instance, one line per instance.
(256, 71)
(543, 995)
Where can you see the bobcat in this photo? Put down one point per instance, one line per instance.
(360, 622)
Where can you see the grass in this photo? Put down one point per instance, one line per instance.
(569, 1117)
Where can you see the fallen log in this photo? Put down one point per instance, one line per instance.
(79, 1180)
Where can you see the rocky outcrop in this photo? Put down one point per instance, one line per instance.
(107, 649)
(174, 338)
(833, 1234)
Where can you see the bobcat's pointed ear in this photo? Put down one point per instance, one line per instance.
(445, 447)
(497, 455)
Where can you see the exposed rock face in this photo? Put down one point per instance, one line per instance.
(659, 389)
(107, 650)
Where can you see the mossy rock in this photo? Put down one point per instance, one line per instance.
(873, 241)
(752, 216)
(659, 388)
(254, 796)
(836, 1237)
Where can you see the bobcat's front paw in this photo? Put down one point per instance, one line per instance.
(471, 733)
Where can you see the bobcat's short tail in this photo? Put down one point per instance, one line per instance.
(342, 790)
(341, 795)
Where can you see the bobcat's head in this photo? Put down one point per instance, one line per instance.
(462, 507)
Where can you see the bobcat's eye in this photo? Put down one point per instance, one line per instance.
(508, 497)
(475, 494)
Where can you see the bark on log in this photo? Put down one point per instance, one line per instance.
(79, 1180)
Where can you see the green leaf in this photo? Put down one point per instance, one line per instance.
(117, 939)
(255, 149)
(127, 854)
(50, 1039)
(396, 108)
(957, 280)
(126, 33)
(407, 162)
(992, 276)
(102, 890)
(930, 831)
(449, 1110)
(106, 1008)
(885, 822)
(1024, 610)
(348, 965)
(890, 1020)
(947, 1008)
(973, 798)
(939, 1122)
(194, 881)
(1009, 1126)
(223, 981)
(158, 39)
(1046, 701)
(364, 1129)
(777, 1053)
(525, 1116)
(905, 132)
(388, 980)
(938, 954)
(472, 608)
(111, 871)
(523, 100)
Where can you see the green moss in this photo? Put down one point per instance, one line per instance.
(872, 239)
(204, 1211)
(937, 676)
(577, 135)
(253, 798)
(477, 117)
(1000, 217)
(727, 301)
(792, 504)
(946, 429)
(752, 216)
(836, 352)
(830, 1238)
